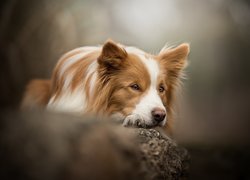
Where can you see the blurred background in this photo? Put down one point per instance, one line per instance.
(216, 105)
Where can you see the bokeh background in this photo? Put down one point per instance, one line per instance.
(216, 94)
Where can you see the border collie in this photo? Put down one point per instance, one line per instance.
(114, 80)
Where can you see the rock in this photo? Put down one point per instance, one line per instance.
(161, 156)
(43, 145)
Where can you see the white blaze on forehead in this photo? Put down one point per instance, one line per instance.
(153, 69)
(151, 99)
(151, 64)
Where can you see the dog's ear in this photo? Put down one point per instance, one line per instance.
(112, 55)
(175, 60)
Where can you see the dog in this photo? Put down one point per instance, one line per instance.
(114, 80)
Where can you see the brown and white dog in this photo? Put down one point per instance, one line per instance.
(114, 80)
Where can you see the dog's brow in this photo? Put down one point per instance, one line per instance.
(153, 69)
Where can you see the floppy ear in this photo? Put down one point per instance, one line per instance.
(175, 60)
(112, 55)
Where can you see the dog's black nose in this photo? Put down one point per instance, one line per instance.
(158, 114)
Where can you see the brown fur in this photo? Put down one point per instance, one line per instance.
(37, 94)
(117, 71)
(79, 69)
(114, 83)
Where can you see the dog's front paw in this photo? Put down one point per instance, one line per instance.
(134, 120)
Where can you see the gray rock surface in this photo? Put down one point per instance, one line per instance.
(43, 145)
(161, 156)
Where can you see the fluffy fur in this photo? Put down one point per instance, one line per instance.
(114, 80)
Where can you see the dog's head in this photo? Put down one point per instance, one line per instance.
(140, 84)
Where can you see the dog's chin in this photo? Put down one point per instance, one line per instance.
(135, 120)
(149, 126)
(154, 124)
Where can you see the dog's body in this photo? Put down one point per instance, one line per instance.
(113, 80)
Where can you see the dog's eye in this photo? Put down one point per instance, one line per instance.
(161, 89)
(135, 87)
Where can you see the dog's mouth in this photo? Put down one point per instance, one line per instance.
(136, 121)
(152, 125)
(146, 125)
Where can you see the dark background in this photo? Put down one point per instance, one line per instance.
(216, 94)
